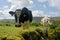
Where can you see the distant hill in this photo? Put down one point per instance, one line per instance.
(7, 20)
(34, 18)
(56, 18)
(39, 18)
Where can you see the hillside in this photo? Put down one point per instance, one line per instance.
(34, 18)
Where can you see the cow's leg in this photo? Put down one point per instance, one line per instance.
(26, 24)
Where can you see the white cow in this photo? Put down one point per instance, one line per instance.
(45, 22)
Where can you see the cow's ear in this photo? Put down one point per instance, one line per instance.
(12, 13)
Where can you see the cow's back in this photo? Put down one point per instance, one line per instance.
(24, 15)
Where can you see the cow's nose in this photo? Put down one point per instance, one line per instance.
(17, 25)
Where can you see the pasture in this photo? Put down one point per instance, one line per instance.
(8, 31)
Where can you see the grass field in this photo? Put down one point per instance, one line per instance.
(10, 29)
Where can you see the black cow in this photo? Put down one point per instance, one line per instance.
(22, 16)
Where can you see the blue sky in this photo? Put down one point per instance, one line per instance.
(39, 8)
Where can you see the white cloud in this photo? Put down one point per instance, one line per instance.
(42, 0)
(5, 7)
(52, 3)
(54, 14)
(4, 14)
(37, 13)
(13, 7)
(44, 6)
(21, 3)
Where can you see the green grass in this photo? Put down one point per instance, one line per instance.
(12, 30)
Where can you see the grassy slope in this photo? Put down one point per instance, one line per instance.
(14, 30)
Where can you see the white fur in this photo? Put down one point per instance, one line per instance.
(46, 21)
(18, 15)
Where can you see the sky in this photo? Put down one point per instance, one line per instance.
(39, 8)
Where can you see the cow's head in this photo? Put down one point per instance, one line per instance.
(18, 12)
(17, 17)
